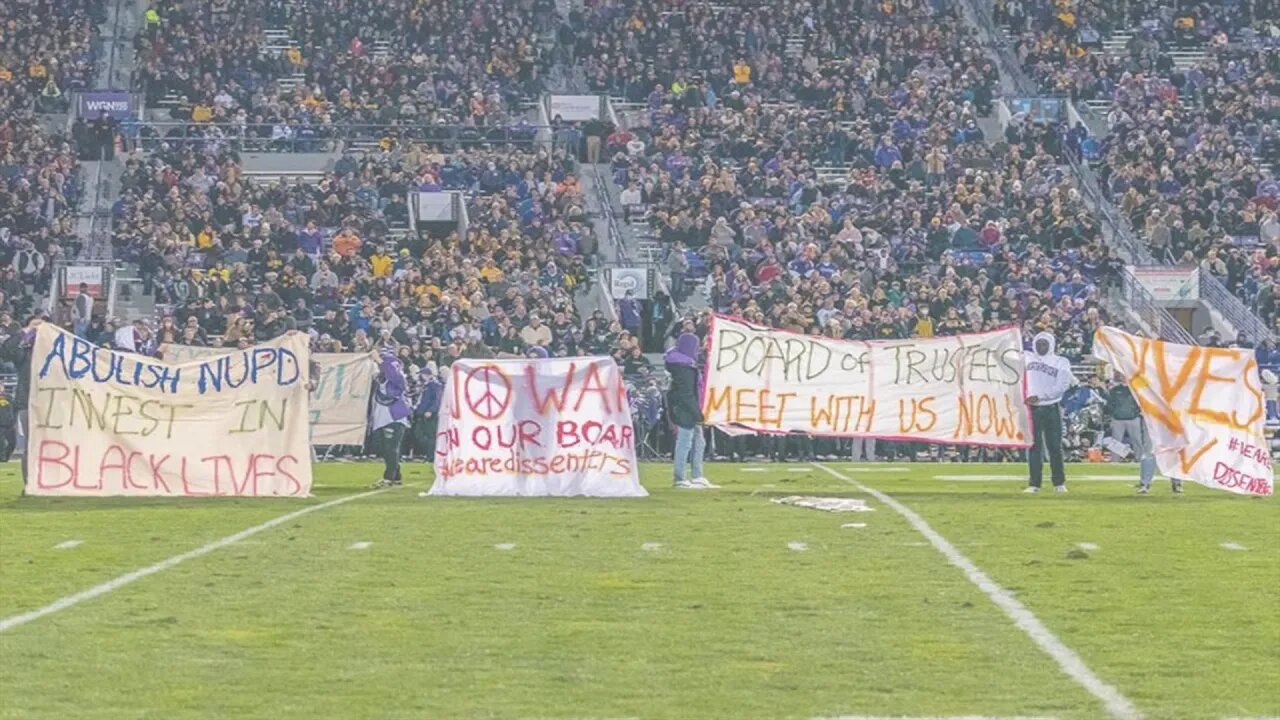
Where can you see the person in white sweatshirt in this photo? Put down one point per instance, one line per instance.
(1048, 379)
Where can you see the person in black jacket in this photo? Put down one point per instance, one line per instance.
(17, 349)
(683, 409)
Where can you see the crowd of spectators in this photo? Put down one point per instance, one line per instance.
(458, 64)
(46, 51)
(1189, 144)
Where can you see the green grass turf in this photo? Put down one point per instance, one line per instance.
(578, 621)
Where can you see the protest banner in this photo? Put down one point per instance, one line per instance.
(113, 423)
(534, 428)
(1203, 407)
(965, 389)
(340, 402)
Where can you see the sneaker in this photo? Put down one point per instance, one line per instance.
(1143, 489)
(383, 483)
(1032, 489)
(686, 485)
(1177, 486)
(704, 483)
(1059, 488)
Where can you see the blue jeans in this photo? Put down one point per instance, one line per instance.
(688, 439)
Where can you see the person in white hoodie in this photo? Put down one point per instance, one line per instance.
(1048, 379)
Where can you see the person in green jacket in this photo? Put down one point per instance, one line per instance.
(1127, 427)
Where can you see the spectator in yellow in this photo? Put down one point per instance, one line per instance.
(6, 76)
(295, 56)
(381, 263)
(924, 323)
(202, 112)
(741, 72)
(37, 70)
(204, 240)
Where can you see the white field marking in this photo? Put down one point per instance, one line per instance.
(1118, 706)
(1233, 546)
(651, 546)
(853, 525)
(872, 467)
(933, 717)
(115, 584)
(1023, 478)
(797, 546)
(1088, 546)
(505, 546)
(755, 469)
(67, 544)
(360, 545)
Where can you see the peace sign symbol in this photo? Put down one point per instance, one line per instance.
(487, 391)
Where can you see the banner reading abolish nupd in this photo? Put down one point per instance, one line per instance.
(111, 423)
(340, 403)
(962, 389)
(534, 428)
(1203, 407)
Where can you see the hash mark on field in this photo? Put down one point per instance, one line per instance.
(754, 469)
(361, 545)
(1088, 546)
(797, 546)
(63, 603)
(651, 546)
(1233, 546)
(877, 468)
(67, 544)
(505, 546)
(1118, 706)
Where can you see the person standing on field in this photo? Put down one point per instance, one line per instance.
(391, 416)
(683, 408)
(1048, 379)
(1127, 427)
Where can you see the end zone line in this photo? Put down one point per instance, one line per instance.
(115, 584)
(1118, 706)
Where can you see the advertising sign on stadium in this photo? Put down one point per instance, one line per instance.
(1169, 284)
(110, 423)
(339, 411)
(1203, 407)
(535, 428)
(90, 275)
(964, 389)
(115, 103)
(634, 279)
(575, 108)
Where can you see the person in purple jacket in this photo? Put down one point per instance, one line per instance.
(391, 417)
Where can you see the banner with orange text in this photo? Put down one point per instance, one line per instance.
(965, 389)
(1203, 407)
(536, 427)
(114, 423)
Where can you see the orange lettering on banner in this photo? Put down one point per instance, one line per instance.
(1260, 406)
(1188, 464)
(980, 414)
(922, 418)
(715, 402)
(1207, 376)
(838, 414)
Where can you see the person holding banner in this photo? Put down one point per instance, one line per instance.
(390, 416)
(1048, 379)
(426, 416)
(1127, 427)
(683, 408)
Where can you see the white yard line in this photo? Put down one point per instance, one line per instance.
(67, 544)
(1118, 706)
(115, 584)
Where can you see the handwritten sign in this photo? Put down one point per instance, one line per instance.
(112, 423)
(536, 427)
(1203, 407)
(339, 412)
(966, 389)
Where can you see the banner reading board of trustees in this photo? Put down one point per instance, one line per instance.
(960, 389)
(340, 403)
(536, 427)
(112, 423)
(1203, 407)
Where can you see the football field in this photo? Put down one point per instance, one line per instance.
(956, 595)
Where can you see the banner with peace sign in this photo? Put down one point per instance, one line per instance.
(533, 427)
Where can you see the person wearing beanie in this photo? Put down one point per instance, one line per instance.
(391, 416)
(426, 416)
(683, 398)
(1048, 379)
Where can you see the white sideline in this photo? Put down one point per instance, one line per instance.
(1118, 706)
(115, 584)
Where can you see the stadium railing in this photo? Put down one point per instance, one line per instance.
(268, 138)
